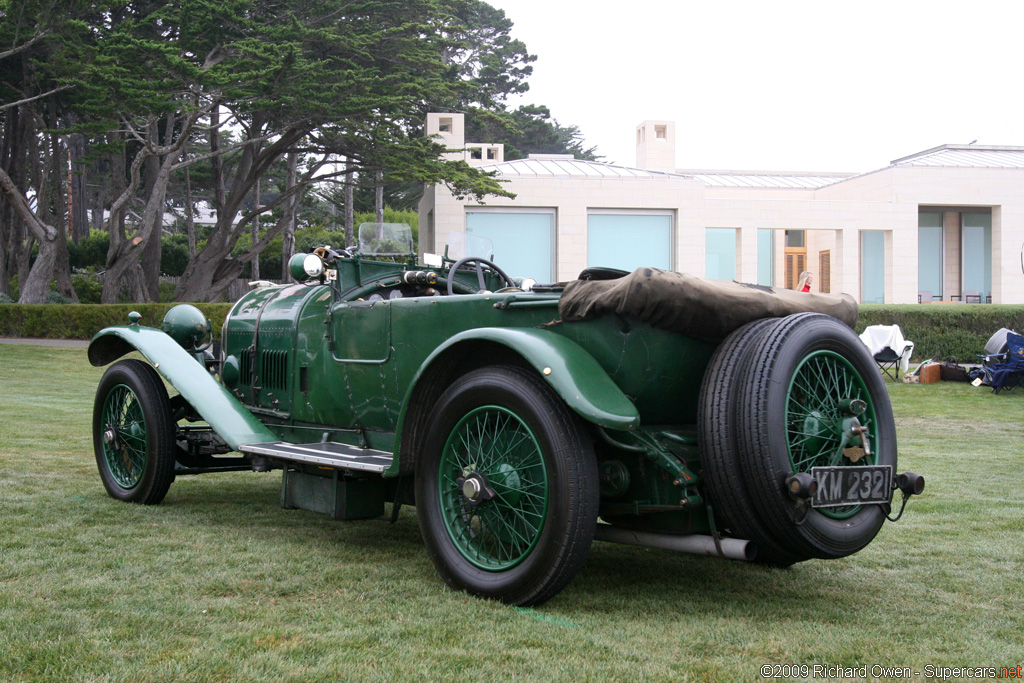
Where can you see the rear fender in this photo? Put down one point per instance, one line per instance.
(566, 366)
(225, 414)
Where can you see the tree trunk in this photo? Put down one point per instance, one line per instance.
(379, 198)
(79, 221)
(112, 280)
(350, 201)
(17, 150)
(59, 215)
(291, 210)
(255, 267)
(62, 268)
(150, 257)
(190, 224)
(37, 281)
(216, 162)
(208, 275)
(7, 213)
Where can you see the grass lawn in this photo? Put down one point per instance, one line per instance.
(219, 583)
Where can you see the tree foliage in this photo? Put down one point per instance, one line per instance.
(179, 107)
(530, 129)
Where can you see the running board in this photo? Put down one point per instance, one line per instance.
(336, 455)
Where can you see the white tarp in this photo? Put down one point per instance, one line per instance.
(880, 337)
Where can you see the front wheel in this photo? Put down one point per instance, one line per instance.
(506, 487)
(133, 433)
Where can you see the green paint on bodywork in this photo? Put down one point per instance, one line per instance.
(570, 370)
(211, 400)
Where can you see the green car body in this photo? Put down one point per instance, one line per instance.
(367, 385)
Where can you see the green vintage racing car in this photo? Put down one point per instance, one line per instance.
(523, 420)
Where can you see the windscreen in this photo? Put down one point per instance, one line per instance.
(385, 239)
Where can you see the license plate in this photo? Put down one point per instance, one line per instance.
(853, 485)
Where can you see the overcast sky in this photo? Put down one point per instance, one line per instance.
(779, 85)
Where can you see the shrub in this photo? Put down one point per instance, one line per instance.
(166, 292)
(4, 299)
(55, 297)
(87, 287)
(82, 321)
(941, 331)
(89, 252)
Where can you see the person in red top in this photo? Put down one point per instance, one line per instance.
(805, 281)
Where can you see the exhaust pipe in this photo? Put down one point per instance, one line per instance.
(698, 544)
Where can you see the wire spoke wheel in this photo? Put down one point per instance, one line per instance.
(811, 394)
(823, 382)
(133, 433)
(124, 436)
(506, 487)
(499, 448)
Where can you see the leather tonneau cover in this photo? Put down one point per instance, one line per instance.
(693, 305)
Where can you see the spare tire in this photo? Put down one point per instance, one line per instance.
(795, 388)
(717, 424)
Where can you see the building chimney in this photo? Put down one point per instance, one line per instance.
(451, 131)
(656, 146)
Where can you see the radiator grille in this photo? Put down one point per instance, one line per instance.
(245, 369)
(274, 369)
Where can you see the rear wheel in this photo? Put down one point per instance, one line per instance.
(796, 408)
(506, 487)
(730, 501)
(133, 434)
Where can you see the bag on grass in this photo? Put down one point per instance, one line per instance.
(951, 371)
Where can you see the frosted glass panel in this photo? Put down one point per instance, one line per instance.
(766, 257)
(720, 253)
(929, 253)
(523, 242)
(629, 241)
(872, 266)
(977, 253)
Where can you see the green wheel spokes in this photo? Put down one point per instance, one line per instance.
(814, 416)
(497, 532)
(124, 437)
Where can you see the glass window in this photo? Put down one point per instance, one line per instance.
(872, 266)
(523, 240)
(629, 241)
(795, 238)
(977, 253)
(720, 253)
(929, 253)
(766, 257)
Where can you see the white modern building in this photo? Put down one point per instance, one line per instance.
(945, 224)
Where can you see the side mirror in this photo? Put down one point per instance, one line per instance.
(305, 266)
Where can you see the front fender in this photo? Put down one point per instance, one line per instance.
(224, 413)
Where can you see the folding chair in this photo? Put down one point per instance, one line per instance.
(996, 347)
(1009, 373)
(889, 349)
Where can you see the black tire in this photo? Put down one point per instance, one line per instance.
(800, 351)
(720, 452)
(523, 537)
(133, 433)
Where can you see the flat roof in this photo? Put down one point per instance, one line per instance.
(792, 179)
(564, 165)
(970, 156)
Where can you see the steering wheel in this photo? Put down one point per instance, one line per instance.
(480, 263)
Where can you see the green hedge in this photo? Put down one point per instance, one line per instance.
(938, 331)
(82, 321)
(943, 330)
